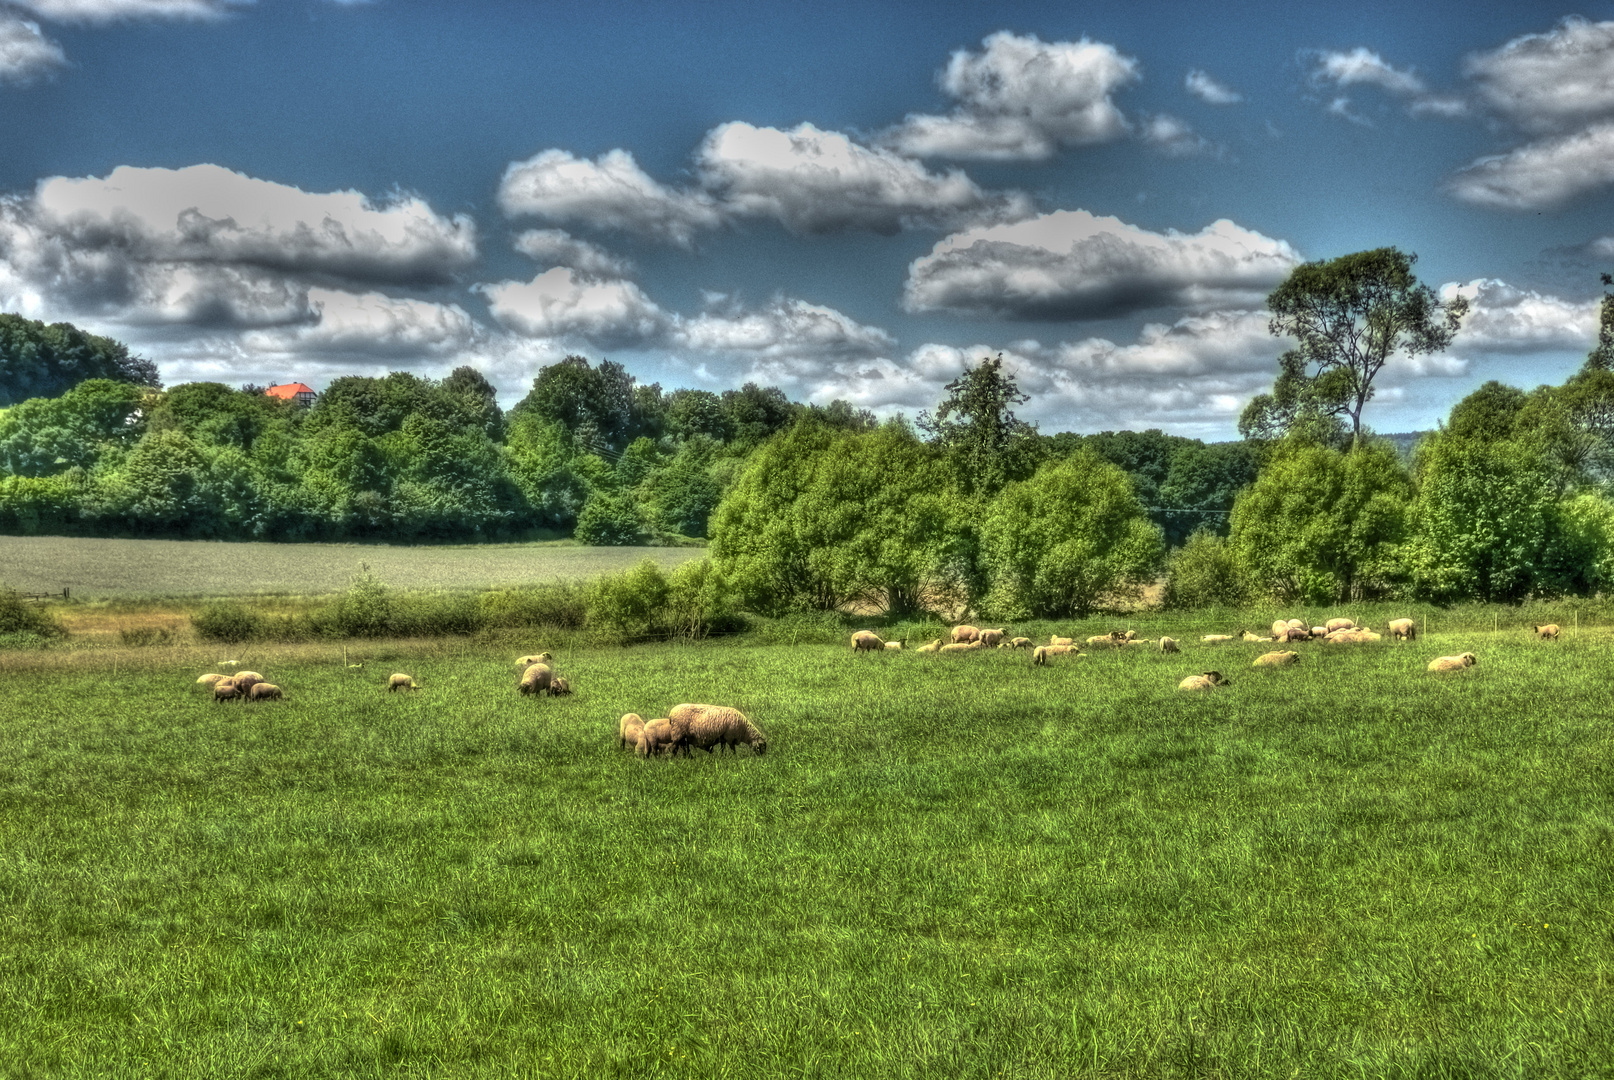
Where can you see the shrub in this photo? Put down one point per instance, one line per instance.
(562, 605)
(141, 637)
(227, 621)
(365, 610)
(700, 601)
(631, 605)
(34, 624)
(610, 519)
(435, 614)
(1205, 573)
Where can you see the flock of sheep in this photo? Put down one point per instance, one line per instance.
(690, 727)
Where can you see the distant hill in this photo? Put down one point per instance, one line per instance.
(1404, 442)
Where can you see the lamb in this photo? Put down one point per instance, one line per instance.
(1245, 635)
(956, 647)
(1292, 633)
(1041, 653)
(400, 681)
(559, 686)
(1205, 680)
(245, 679)
(629, 729)
(893, 646)
(525, 662)
(1169, 645)
(1548, 632)
(866, 641)
(1403, 629)
(211, 681)
(1020, 643)
(226, 690)
(706, 726)
(1276, 659)
(1057, 640)
(1339, 624)
(536, 679)
(1453, 663)
(934, 646)
(264, 691)
(992, 637)
(1217, 638)
(655, 738)
(1280, 631)
(962, 634)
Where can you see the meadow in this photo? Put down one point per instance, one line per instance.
(947, 866)
(106, 569)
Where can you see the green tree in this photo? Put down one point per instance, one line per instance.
(1205, 572)
(977, 426)
(1349, 315)
(610, 519)
(38, 361)
(46, 436)
(594, 404)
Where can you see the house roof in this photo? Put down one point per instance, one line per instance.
(289, 390)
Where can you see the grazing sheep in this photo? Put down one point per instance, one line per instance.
(992, 637)
(1041, 653)
(628, 729)
(1217, 638)
(893, 646)
(1245, 635)
(1295, 622)
(1057, 640)
(264, 691)
(963, 634)
(956, 647)
(1021, 643)
(525, 662)
(400, 681)
(1104, 641)
(1453, 663)
(1351, 637)
(536, 679)
(1339, 624)
(559, 686)
(866, 641)
(211, 681)
(1319, 631)
(226, 690)
(1205, 680)
(1169, 645)
(704, 727)
(1276, 659)
(1403, 629)
(245, 679)
(1292, 633)
(1280, 631)
(1548, 632)
(655, 738)
(934, 646)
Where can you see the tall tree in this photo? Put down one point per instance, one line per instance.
(37, 360)
(1350, 315)
(977, 425)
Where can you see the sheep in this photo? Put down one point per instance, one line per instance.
(1169, 645)
(963, 634)
(559, 686)
(1319, 631)
(629, 729)
(245, 679)
(1276, 659)
(1403, 629)
(1453, 663)
(704, 727)
(226, 690)
(1351, 637)
(1205, 680)
(1339, 624)
(655, 738)
(1215, 639)
(1295, 623)
(536, 679)
(1280, 631)
(866, 641)
(525, 662)
(264, 691)
(1548, 632)
(1040, 655)
(1292, 633)
(956, 647)
(1020, 643)
(1057, 640)
(934, 646)
(400, 681)
(893, 646)
(992, 637)
(1245, 635)
(211, 681)
(1103, 641)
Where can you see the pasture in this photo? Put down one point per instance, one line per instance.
(103, 569)
(947, 866)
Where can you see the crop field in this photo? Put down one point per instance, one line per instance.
(944, 865)
(100, 569)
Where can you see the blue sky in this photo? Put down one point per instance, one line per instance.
(847, 201)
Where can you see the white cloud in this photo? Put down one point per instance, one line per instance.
(1174, 137)
(25, 52)
(1550, 82)
(370, 325)
(1072, 265)
(1201, 85)
(1505, 319)
(557, 247)
(102, 11)
(1022, 98)
(560, 303)
(1542, 174)
(611, 192)
(1341, 107)
(1363, 67)
(784, 329)
(814, 181)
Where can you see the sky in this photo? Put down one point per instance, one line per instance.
(845, 200)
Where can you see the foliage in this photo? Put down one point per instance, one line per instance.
(629, 607)
(364, 610)
(595, 404)
(1060, 542)
(1205, 572)
(23, 623)
(227, 621)
(610, 518)
(1349, 315)
(1319, 525)
(977, 426)
(47, 436)
(40, 361)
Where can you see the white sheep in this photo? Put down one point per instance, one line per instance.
(400, 681)
(893, 646)
(1549, 632)
(656, 738)
(705, 727)
(1205, 680)
(1276, 659)
(264, 691)
(1216, 639)
(1169, 645)
(964, 634)
(525, 662)
(1453, 663)
(1403, 629)
(629, 729)
(992, 637)
(934, 646)
(866, 641)
(245, 679)
(211, 681)
(1339, 624)
(536, 679)
(1041, 653)
(227, 690)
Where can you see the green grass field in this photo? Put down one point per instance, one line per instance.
(944, 866)
(100, 569)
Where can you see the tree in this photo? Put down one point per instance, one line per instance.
(37, 360)
(46, 436)
(594, 404)
(977, 426)
(1350, 315)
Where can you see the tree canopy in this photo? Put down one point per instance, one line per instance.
(40, 361)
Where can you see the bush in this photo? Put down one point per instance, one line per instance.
(435, 614)
(141, 637)
(228, 621)
(1205, 573)
(562, 605)
(35, 624)
(365, 610)
(700, 601)
(630, 606)
(610, 519)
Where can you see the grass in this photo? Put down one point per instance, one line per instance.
(944, 866)
(101, 569)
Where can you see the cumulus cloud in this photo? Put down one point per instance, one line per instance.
(1071, 264)
(1505, 319)
(561, 303)
(371, 325)
(1202, 86)
(1364, 67)
(611, 192)
(1542, 174)
(557, 247)
(25, 52)
(1550, 82)
(1022, 99)
(103, 11)
(1173, 137)
(783, 329)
